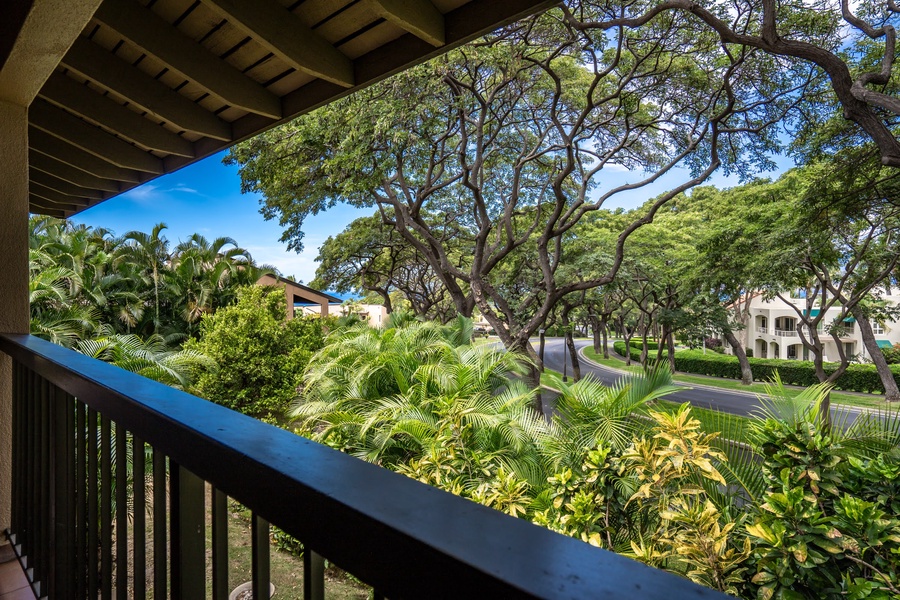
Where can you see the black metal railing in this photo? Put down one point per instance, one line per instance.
(82, 518)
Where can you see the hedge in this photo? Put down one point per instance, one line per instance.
(857, 378)
(639, 344)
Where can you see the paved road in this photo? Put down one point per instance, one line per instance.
(739, 403)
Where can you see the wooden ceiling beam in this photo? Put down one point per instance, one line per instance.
(74, 156)
(62, 186)
(158, 38)
(114, 74)
(419, 17)
(51, 166)
(81, 100)
(41, 206)
(285, 35)
(66, 126)
(52, 195)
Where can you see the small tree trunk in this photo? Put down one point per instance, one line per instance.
(891, 392)
(738, 349)
(628, 335)
(596, 326)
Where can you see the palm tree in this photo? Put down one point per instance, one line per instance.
(150, 254)
(151, 358)
(395, 395)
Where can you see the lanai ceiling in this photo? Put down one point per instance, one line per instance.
(153, 85)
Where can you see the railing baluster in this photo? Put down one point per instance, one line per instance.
(259, 536)
(160, 531)
(140, 521)
(43, 530)
(219, 545)
(121, 489)
(63, 465)
(55, 470)
(80, 500)
(93, 497)
(186, 517)
(313, 575)
(105, 508)
(32, 498)
(20, 456)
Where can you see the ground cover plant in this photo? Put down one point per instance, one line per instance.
(781, 505)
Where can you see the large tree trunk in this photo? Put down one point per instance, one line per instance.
(541, 351)
(891, 392)
(644, 331)
(738, 349)
(570, 343)
(573, 357)
(596, 325)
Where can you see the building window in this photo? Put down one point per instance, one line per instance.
(877, 328)
(848, 349)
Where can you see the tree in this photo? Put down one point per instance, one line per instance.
(500, 146)
(807, 231)
(816, 33)
(260, 354)
(370, 256)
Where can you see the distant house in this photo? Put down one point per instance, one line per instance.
(773, 330)
(308, 301)
(375, 314)
(301, 297)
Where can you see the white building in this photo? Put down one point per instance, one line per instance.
(773, 331)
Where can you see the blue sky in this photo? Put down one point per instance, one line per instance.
(206, 198)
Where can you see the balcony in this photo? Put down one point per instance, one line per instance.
(73, 415)
(786, 333)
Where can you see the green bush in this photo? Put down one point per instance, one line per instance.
(639, 344)
(857, 378)
(261, 356)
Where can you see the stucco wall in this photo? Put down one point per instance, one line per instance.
(13, 270)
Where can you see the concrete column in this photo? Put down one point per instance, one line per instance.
(14, 316)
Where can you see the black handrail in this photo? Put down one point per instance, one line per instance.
(405, 538)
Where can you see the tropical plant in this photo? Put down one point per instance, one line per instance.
(261, 355)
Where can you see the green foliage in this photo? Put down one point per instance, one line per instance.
(640, 344)
(892, 354)
(828, 526)
(648, 501)
(857, 378)
(260, 354)
(83, 279)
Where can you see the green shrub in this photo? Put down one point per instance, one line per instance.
(857, 378)
(892, 354)
(639, 344)
(261, 356)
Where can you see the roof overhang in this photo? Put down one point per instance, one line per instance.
(150, 86)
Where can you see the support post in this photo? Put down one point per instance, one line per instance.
(13, 272)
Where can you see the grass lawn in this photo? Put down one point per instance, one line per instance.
(866, 400)
(285, 569)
